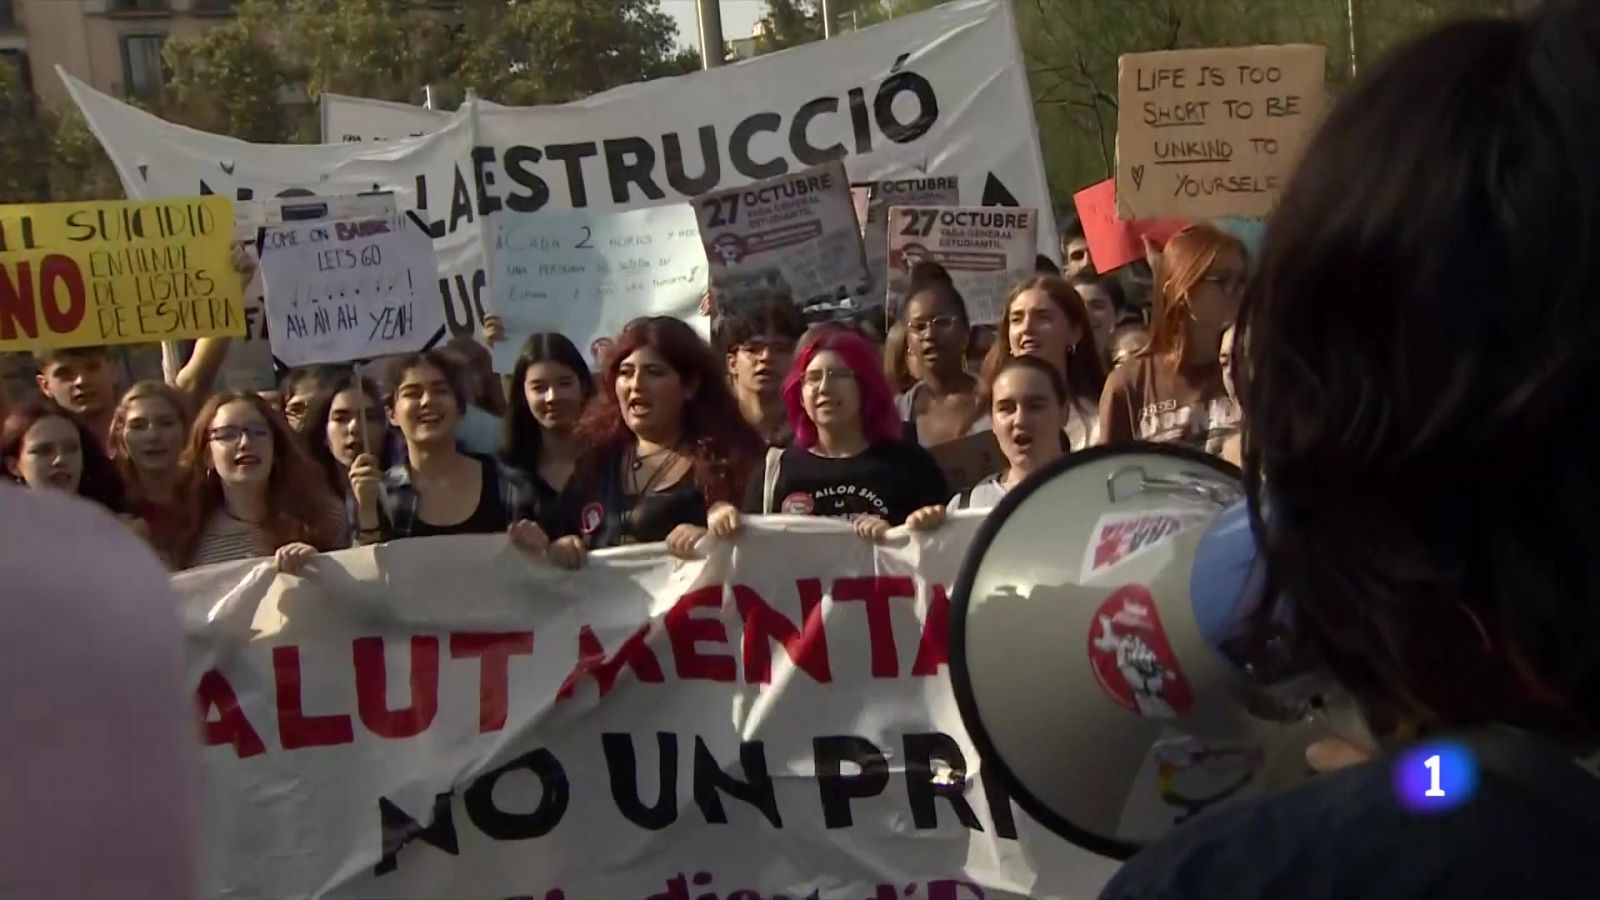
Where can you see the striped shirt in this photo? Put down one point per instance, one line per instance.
(226, 539)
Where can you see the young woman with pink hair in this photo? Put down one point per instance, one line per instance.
(848, 459)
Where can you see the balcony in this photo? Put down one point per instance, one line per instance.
(138, 8)
(208, 8)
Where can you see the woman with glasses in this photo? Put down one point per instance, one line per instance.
(1045, 318)
(849, 459)
(759, 339)
(342, 425)
(1171, 391)
(148, 432)
(944, 404)
(667, 442)
(251, 490)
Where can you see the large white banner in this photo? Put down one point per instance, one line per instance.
(432, 174)
(941, 93)
(444, 718)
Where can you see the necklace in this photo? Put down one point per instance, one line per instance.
(638, 460)
(637, 465)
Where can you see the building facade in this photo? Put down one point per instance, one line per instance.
(114, 45)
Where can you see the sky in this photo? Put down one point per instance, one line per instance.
(738, 17)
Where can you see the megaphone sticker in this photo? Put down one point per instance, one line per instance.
(1120, 536)
(1132, 659)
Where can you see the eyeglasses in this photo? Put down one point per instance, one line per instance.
(1231, 285)
(937, 323)
(233, 434)
(758, 346)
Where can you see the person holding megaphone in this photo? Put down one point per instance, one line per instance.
(1419, 460)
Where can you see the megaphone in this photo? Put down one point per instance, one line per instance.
(1104, 656)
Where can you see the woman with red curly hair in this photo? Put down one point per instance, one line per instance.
(849, 459)
(1172, 391)
(666, 442)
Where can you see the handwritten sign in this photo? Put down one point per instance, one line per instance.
(1204, 134)
(881, 195)
(798, 232)
(987, 250)
(586, 274)
(350, 289)
(81, 274)
(1114, 242)
(249, 365)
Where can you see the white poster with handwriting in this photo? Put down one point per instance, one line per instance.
(987, 252)
(796, 234)
(586, 274)
(349, 290)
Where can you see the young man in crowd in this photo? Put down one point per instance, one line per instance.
(83, 381)
(759, 339)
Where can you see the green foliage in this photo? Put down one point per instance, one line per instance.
(24, 143)
(1071, 49)
(229, 81)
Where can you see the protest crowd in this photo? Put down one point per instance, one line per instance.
(682, 429)
(664, 437)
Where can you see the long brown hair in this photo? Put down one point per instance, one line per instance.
(724, 448)
(299, 506)
(117, 446)
(1188, 256)
(1083, 369)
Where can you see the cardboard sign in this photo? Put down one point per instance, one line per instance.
(969, 460)
(586, 274)
(1204, 134)
(1115, 242)
(797, 232)
(349, 290)
(881, 195)
(119, 272)
(986, 250)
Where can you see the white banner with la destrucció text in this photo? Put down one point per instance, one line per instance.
(940, 93)
(447, 717)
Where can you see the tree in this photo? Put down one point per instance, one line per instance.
(24, 143)
(527, 52)
(788, 23)
(228, 81)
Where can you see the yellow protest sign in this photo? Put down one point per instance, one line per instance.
(117, 272)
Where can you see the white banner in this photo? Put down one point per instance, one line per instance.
(446, 718)
(347, 119)
(944, 92)
(432, 174)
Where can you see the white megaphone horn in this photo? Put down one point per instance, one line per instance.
(1103, 655)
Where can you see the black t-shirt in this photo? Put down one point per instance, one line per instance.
(1344, 835)
(891, 480)
(489, 517)
(604, 515)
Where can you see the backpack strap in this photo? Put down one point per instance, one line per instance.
(769, 483)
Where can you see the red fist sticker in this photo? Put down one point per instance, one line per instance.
(1132, 659)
